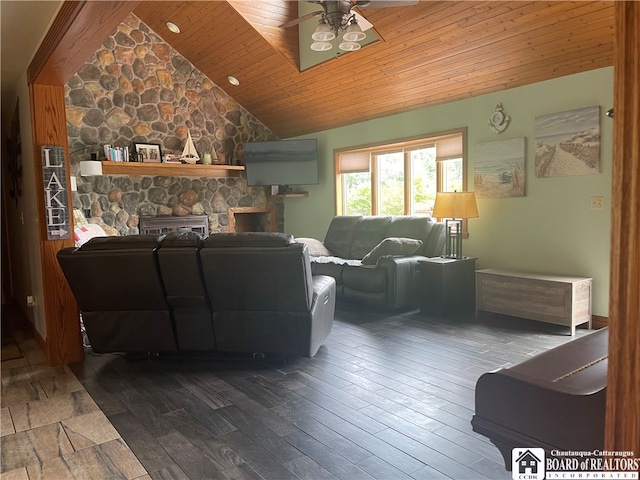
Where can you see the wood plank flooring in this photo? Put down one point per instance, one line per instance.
(386, 397)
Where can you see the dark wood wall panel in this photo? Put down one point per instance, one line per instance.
(63, 343)
(623, 386)
(79, 29)
(76, 33)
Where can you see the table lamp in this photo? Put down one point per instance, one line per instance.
(454, 207)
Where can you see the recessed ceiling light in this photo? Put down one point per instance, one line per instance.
(173, 27)
(233, 80)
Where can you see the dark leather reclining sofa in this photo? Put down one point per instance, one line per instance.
(231, 292)
(374, 258)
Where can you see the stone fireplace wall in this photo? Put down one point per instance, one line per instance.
(137, 89)
(118, 201)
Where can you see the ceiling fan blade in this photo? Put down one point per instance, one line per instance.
(363, 22)
(301, 19)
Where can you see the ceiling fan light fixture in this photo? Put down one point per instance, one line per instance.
(354, 33)
(323, 32)
(320, 46)
(349, 46)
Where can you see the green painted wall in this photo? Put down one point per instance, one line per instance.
(550, 230)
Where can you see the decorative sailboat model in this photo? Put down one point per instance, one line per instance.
(190, 154)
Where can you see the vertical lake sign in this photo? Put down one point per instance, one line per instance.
(56, 208)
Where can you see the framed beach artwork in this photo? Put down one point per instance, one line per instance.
(499, 169)
(568, 143)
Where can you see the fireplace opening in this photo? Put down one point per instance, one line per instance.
(252, 219)
(167, 224)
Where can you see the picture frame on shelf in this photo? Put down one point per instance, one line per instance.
(148, 152)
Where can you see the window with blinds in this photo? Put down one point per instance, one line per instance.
(400, 178)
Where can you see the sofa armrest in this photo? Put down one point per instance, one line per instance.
(322, 311)
(324, 294)
(401, 279)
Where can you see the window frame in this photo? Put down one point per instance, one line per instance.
(405, 144)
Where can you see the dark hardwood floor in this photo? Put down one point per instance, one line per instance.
(386, 397)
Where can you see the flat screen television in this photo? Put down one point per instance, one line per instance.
(283, 162)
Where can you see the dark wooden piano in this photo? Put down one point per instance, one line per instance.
(556, 400)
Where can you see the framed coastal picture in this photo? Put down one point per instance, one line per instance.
(148, 152)
(499, 169)
(568, 143)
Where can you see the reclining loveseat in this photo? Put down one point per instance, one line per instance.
(231, 292)
(374, 259)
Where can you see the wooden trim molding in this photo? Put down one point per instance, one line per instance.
(622, 424)
(60, 309)
(77, 31)
(598, 322)
(65, 17)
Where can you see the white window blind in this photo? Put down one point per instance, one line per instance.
(449, 148)
(353, 162)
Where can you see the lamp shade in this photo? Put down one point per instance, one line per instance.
(323, 33)
(90, 168)
(321, 46)
(354, 33)
(455, 205)
(349, 46)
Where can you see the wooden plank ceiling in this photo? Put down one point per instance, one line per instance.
(430, 53)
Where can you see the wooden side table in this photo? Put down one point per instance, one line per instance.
(446, 285)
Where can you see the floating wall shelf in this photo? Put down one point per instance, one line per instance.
(291, 195)
(170, 169)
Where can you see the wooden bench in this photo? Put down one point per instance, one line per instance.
(548, 298)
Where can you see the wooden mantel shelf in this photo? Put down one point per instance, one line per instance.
(291, 195)
(170, 169)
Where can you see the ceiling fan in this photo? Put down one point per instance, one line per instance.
(339, 16)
